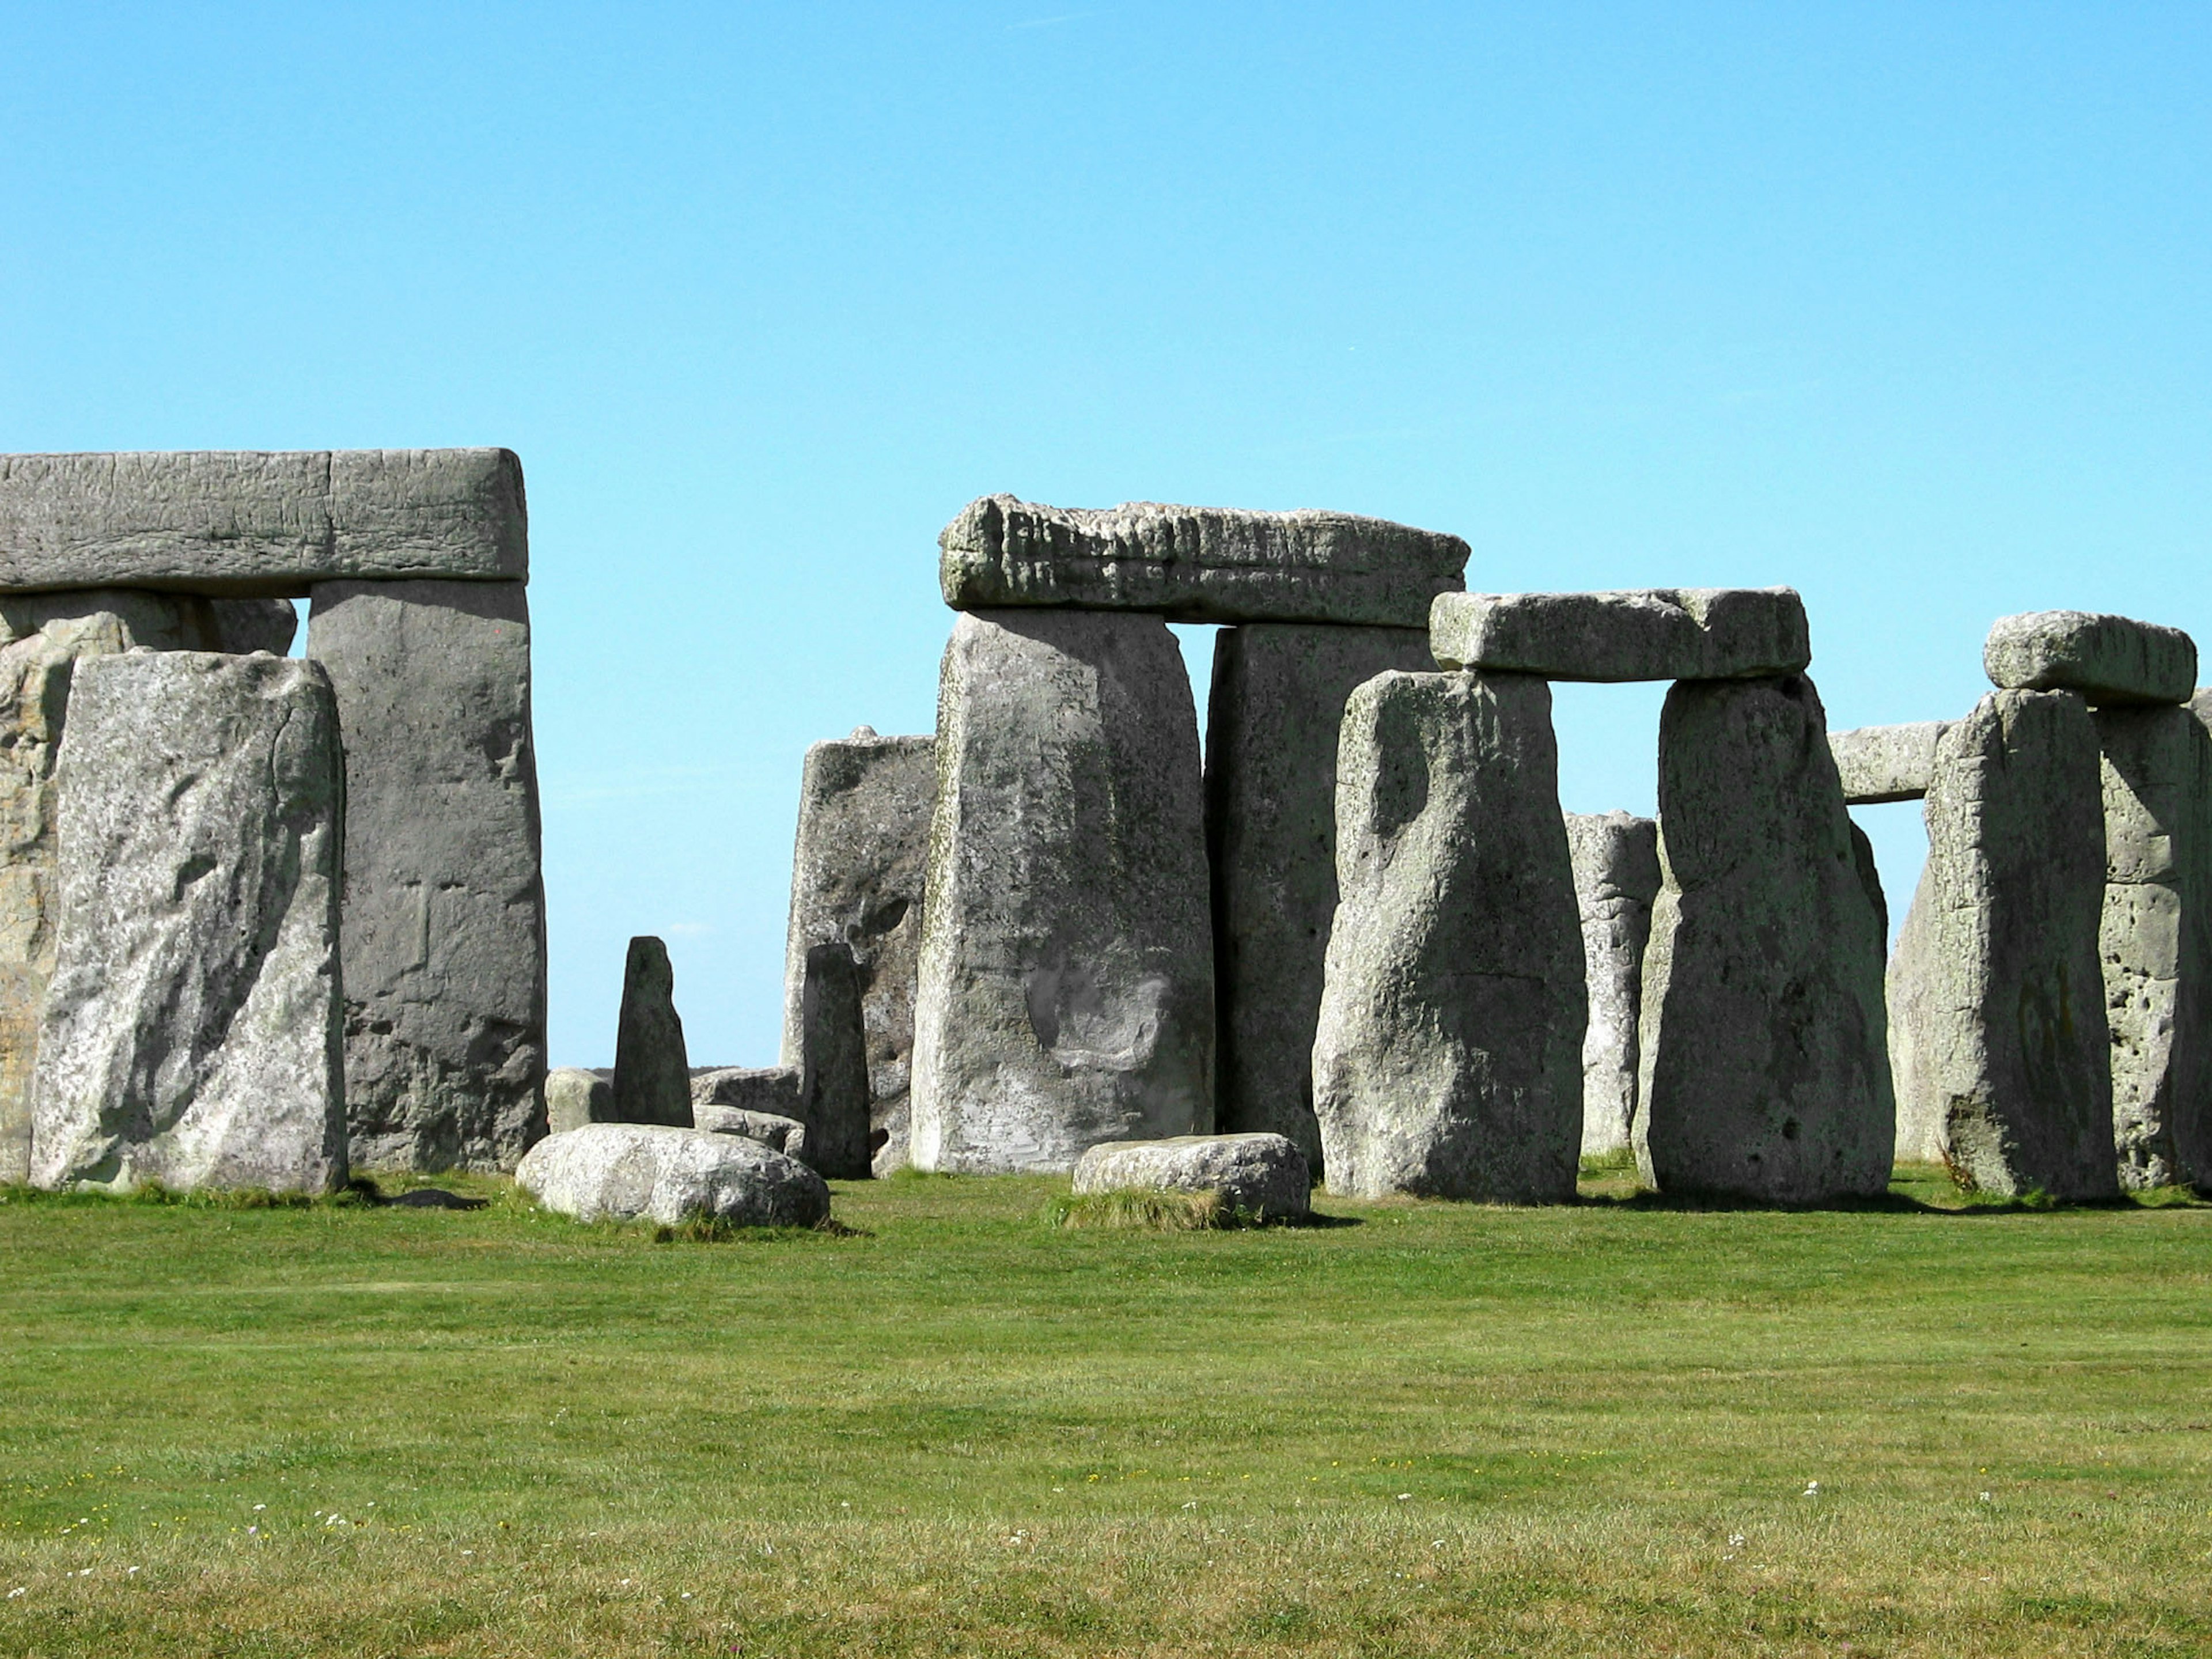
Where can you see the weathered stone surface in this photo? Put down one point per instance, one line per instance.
(2002, 1051)
(2108, 660)
(2155, 940)
(1197, 563)
(1262, 1174)
(833, 1088)
(242, 626)
(786, 1135)
(574, 1097)
(192, 1032)
(625, 1171)
(1879, 763)
(856, 876)
(1765, 1071)
(653, 1075)
(445, 907)
(773, 1089)
(1448, 1054)
(1656, 634)
(1065, 993)
(1271, 732)
(244, 522)
(1616, 863)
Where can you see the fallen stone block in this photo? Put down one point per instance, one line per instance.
(1278, 701)
(192, 1032)
(786, 1135)
(1066, 992)
(657, 1172)
(1616, 863)
(1880, 764)
(1262, 1175)
(247, 523)
(856, 877)
(1765, 1069)
(2004, 1052)
(1448, 1053)
(653, 1075)
(574, 1097)
(1201, 564)
(445, 905)
(2108, 660)
(2155, 940)
(1658, 634)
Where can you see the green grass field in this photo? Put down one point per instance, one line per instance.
(1615, 1428)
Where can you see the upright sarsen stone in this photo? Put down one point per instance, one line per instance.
(193, 1031)
(653, 1071)
(445, 906)
(42, 637)
(856, 879)
(1448, 1055)
(1766, 1072)
(1997, 985)
(1271, 736)
(2155, 940)
(833, 1076)
(1066, 992)
(1616, 865)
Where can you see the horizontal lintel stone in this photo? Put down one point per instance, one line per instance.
(2108, 660)
(1654, 633)
(1200, 565)
(1880, 763)
(248, 523)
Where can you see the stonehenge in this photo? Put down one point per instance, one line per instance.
(1258, 1174)
(441, 927)
(1880, 763)
(626, 1171)
(1665, 634)
(1615, 857)
(653, 1072)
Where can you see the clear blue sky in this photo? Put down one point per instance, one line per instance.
(1904, 305)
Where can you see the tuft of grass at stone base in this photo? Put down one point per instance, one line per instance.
(1931, 1427)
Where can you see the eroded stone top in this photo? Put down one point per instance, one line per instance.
(1651, 634)
(1197, 563)
(1880, 764)
(250, 522)
(2108, 660)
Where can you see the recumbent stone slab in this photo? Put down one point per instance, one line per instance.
(1197, 563)
(1765, 1069)
(1271, 734)
(2004, 1058)
(786, 1135)
(42, 636)
(1448, 1054)
(248, 522)
(1066, 993)
(653, 1074)
(626, 1171)
(1260, 1175)
(1616, 863)
(445, 904)
(574, 1097)
(1878, 763)
(2155, 940)
(192, 1032)
(1656, 634)
(2108, 660)
(856, 877)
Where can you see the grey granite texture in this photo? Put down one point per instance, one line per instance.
(658, 1172)
(2108, 660)
(1654, 634)
(1260, 1175)
(1616, 865)
(1880, 764)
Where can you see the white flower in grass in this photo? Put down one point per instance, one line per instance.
(1812, 1489)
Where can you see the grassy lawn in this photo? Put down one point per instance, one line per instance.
(1428, 1429)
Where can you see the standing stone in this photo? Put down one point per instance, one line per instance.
(1616, 865)
(856, 877)
(42, 636)
(445, 908)
(833, 1089)
(1067, 980)
(1271, 736)
(2003, 1046)
(1448, 1055)
(653, 1074)
(1766, 1070)
(192, 1030)
(2155, 941)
